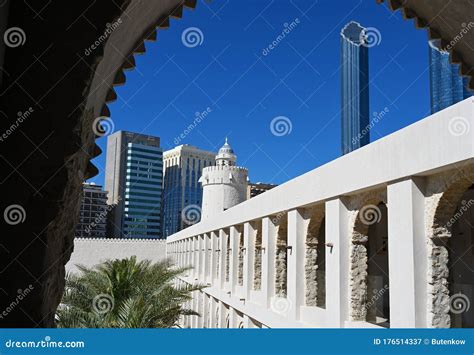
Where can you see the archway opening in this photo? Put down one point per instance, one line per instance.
(378, 301)
(369, 265)
(281, 257)
(461, 262)
(321, 263)
(315, 259)
(240, 268)
(257, 268)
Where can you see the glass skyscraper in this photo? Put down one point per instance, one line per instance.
(182, 169)
(355, 131)
(134, 181)
(447, 86)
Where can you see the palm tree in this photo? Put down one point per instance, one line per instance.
(125, 294)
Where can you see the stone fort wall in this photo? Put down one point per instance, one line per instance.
(91, 251)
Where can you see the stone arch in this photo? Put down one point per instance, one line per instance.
(314, 283)
(241, 325)
(366, 212)
(281, 253)
(444, 193)
(257, 268)
(83, 81)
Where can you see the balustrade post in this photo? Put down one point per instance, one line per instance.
(249, 256)
(268, 259)
(407, 254)
(223, 251)
(234, 258)
(213, 261)
(296, 259)
(338, 242)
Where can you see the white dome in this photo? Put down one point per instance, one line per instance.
(226, 155)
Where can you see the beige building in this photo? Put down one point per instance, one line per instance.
(182, 195)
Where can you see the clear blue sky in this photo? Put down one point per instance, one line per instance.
(245, 90)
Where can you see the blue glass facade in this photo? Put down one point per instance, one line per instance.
(447, 87)
(134, 181)
(182, 170)
(143, 192)
(355, 131)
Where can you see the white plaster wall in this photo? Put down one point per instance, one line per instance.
(397, 165)
(419, 149)
(90, 252)
(223, 188)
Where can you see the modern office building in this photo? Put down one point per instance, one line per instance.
(355, 131)
(257, 188)
(93, 214)
(182, 169)
(447, 86)
(134, 180)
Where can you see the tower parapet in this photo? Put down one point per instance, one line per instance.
(224, 185)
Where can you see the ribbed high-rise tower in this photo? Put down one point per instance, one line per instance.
(224, 185)
(355, 131)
